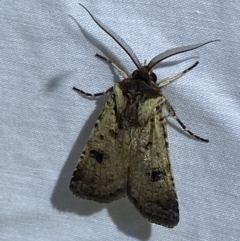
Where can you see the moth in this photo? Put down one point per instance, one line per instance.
(127, 151)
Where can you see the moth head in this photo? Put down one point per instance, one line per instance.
(144, 74)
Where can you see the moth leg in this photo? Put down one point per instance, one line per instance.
(124, 74)
(93, 95)
(177, 76)
(173, 114)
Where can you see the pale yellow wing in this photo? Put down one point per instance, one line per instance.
(150, 180)
(101, 172)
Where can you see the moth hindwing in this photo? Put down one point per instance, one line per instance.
(127, 151)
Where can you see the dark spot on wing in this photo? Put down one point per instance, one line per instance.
(112, 133)
(77, 176)
(156, 175)
(101, 137)
(146, 147)
(149, 144)
(161, 119)
(166, 143)
(83, 155)
(97, 155)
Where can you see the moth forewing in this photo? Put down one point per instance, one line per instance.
(127, 151)
(151, 184)
(101, 174)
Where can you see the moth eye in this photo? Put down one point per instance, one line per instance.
(154, 77)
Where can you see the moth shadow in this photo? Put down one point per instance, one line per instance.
(54, 82)
(128, 220)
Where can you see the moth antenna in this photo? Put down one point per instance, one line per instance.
(117, 38)
(174, 51)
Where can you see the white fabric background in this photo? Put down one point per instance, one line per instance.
(48, 46)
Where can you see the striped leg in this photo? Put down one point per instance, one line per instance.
(110, 89)
(173, 114)
(124, 74)
(169, 80)
(93, 95)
